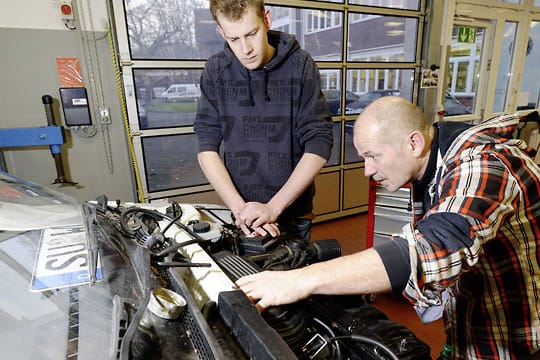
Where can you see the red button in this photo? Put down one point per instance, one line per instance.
(66, 9)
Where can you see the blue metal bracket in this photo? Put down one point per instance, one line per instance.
(50, 135)
(41, 136)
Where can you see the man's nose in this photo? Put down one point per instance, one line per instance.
(246, 46)
(369, 170)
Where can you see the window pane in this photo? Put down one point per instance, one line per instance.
(168, 98)
(505, 59)
(170, 162)
(528, 96)
(465, 58)
(377, 38)
(185, 29)
(367, 85)
(171, 29)
(398, 4)
(183, 34)
(331, 88)
(350, 154)
(319, 32)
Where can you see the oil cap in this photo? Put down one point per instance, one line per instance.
(201, 227)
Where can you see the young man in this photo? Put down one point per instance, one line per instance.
(472, 254)
(261, 101)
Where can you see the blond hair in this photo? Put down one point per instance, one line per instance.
(234, 9)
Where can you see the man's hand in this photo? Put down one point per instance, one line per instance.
(272, 288)
(264, 230)
(359, 273)
(259, 218)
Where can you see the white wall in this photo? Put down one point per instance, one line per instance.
(32, 37)
(45, 14)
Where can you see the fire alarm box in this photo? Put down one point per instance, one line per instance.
(75, 106)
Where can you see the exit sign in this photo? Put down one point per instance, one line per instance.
(466, 34)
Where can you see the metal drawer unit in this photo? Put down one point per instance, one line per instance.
(391, 210)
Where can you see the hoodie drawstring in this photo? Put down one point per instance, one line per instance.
(249, 89)
(265, 87)
(266, 96)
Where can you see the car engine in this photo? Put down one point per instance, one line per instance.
(196, 253)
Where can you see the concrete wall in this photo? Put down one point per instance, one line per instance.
(32, 37)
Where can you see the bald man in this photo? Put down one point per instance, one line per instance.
(470, 255)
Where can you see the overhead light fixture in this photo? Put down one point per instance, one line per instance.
(393, 23)
(395, 32)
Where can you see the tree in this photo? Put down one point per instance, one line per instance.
(162, 29)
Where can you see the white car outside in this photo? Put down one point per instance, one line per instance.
(182, 92)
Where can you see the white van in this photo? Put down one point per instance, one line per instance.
(182, 92)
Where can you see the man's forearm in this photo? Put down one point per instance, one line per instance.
(218, 176)
(303, 175)
(358, 273)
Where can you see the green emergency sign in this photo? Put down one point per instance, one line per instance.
(466, 34)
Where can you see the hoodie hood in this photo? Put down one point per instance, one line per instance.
(285, 45)
(444, 135)
(494, 132)
(461, 139)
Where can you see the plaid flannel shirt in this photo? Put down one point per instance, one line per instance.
(493, 279)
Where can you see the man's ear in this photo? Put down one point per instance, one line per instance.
(417, 142)
(220, 31)
(267, 18)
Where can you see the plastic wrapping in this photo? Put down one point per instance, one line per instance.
(69, 72)
(28, 206)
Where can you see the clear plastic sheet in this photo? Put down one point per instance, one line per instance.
(28, 206)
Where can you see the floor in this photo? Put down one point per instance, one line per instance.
(351, 232)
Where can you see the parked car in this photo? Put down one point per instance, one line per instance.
(100, 280)
(333, 100)
(182, 92)
(452, 106)
(356, 107)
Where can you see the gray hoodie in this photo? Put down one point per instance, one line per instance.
(264, 119)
